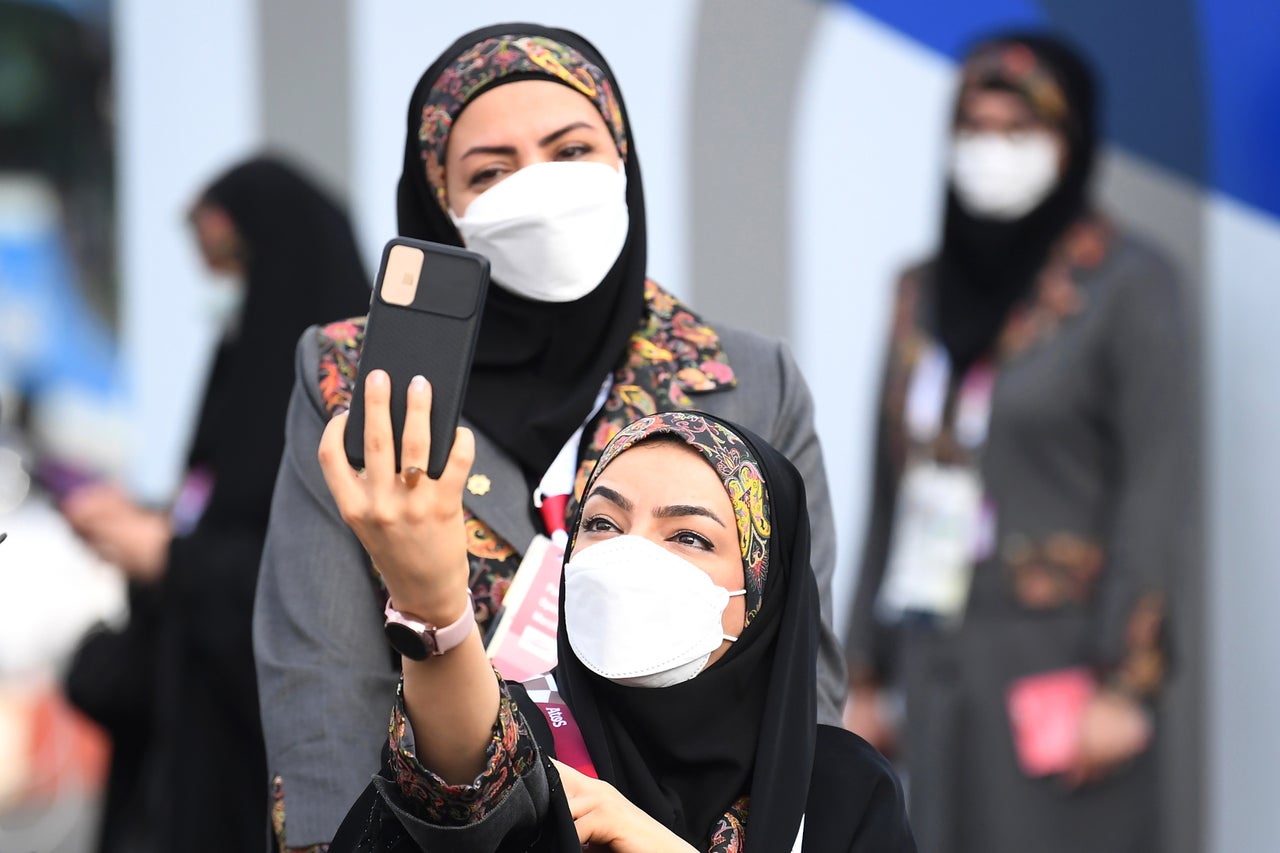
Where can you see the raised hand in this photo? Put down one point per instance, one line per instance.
(412, 526)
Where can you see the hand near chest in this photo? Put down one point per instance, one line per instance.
(606, 820)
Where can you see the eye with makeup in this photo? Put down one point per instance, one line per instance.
(599, 524)
(487, 175)
(574, 151)
(690, 539)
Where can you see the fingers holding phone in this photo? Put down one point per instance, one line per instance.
(415, 534)
(416, 443)
(424, 318)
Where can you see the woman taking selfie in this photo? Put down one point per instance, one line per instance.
(517, 147)
(686, 660)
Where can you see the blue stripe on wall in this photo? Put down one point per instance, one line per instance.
(948, 27)
(1192, 85)
(1242, 55)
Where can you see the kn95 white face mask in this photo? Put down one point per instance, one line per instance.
(1003, 176)
(551, 231)
(641, 616)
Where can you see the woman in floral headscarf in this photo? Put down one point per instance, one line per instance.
(1031, 478)
(517, 146)
(686, 663)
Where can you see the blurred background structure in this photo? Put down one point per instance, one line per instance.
(793, 160)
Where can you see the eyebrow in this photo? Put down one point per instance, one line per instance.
(673, 511)
(680, 510)
(612, 496)
(510, 150)
(552, 137)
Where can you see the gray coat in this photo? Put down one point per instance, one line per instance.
(1085, 466)
(326, 676)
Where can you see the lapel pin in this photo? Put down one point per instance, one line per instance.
(478, 484)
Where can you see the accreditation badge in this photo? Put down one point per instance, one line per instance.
(938, 529)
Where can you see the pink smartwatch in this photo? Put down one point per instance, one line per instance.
(418, 640)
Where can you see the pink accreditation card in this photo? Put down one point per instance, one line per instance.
(524, 642)
(1045, 712)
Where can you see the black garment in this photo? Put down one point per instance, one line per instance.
(110, 678)
(538, 365)
(987, 266)
(202, 785)
(854, 804)
(302, 267)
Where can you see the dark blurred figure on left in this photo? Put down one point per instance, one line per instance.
(176, 689)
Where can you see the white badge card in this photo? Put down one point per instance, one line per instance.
(936, 534)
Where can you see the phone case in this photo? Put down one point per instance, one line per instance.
(434, 336)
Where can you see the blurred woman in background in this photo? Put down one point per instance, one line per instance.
(1030, 479)
(177, 689)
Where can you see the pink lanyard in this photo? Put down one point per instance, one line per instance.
(570, 747)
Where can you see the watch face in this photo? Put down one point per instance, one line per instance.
(406, 641)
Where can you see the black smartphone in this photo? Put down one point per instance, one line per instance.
(424, 316)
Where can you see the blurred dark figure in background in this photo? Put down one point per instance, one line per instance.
(1030, 481)
(189, 771)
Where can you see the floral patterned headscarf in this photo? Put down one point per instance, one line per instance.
(738, 470)
(504, 59)
(1015, 66)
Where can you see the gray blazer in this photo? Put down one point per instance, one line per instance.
(326, 676)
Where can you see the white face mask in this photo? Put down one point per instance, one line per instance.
(641, 616)
(223, 305)
(551, 231)
(1003, 176)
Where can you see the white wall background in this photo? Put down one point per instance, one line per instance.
(866, 202)
(1243, 381)
(186, 101)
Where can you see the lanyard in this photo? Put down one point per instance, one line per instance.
(570, 747)
(552, 495)
(929, 391)
(552, 508)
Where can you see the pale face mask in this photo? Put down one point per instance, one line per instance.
(1003, 176)
(641, 616)
(551, 231)
(223, 305)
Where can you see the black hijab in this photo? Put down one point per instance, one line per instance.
(745, 725)
(988, 266)
(538, 366)
(301, 268)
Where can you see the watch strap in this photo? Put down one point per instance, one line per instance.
(436, 640)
